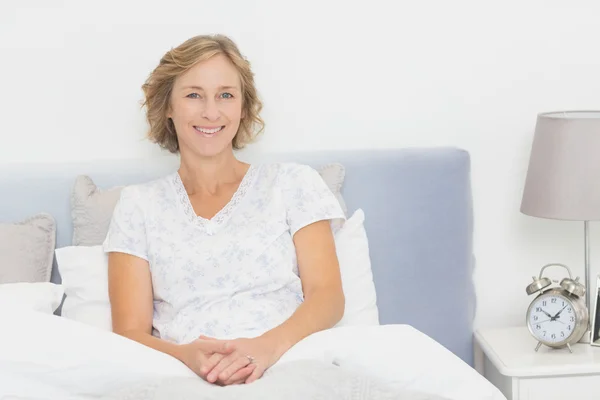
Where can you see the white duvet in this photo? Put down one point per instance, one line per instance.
(44, 356)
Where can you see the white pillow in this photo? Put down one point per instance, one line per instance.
(84, 272)
(43, 297)
(352, 248)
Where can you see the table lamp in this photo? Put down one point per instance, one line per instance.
(563, 177)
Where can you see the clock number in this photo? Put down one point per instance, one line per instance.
(553, 300)
(569, 327)
(571, 318)
(553, 336)
(535, 317)
(537, 326)
(544, 333)
(563, 303)
(562, 334)
(569, 309)
(538, 309)
(544, 303)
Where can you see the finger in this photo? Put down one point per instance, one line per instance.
(216, 346)
(210, 363)
(257, 373)
(200, 359)
(220, 367)
(235, 366)
(206, 337)
(241, 375)
(244, 373)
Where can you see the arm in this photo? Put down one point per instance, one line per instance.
(322, 308)
(130, 292)
(306, 199)
(130, 286)
(324, 301)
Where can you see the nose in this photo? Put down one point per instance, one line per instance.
(211, 110)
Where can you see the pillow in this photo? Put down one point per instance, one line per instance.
(92, 207)
(91, 211)
(334, 174)
(43, 297)
(27, 249)
(84, 272)
(352, 247)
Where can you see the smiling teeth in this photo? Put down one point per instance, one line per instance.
(209, 131)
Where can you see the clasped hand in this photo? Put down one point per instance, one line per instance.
(230, 362)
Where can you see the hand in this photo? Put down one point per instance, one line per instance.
(239, 377)
(558, 313)
(196, 355)
(551, 319)
(258, 353)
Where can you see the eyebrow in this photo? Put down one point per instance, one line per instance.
(202, 89)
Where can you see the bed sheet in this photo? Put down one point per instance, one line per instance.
(47, 356)
(401, 356)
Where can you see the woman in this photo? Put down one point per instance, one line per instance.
(222, 264)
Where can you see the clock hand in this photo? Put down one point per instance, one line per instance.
(558, 313)
(547, 314)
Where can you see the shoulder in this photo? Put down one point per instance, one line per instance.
(295, 176)
(289, 172)
(147, 191)
(294, 168)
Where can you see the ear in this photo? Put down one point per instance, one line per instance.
(169, 113)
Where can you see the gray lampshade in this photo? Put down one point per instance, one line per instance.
(563, 178)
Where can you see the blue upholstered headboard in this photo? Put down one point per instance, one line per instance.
(418, 217)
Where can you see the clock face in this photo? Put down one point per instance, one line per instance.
(552, 318)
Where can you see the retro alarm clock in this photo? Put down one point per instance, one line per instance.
(558, 316)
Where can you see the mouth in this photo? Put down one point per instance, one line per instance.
(207, 131)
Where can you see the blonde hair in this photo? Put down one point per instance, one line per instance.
(159, 85)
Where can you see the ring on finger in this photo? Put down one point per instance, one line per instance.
(250, 359)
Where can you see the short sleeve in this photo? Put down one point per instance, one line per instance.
(127, 229)
(307, 197)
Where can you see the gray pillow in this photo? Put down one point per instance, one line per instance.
(92, 207)
(333, 174)
(27, 249)
(91, 211)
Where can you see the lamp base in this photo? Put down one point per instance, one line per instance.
(588, 335)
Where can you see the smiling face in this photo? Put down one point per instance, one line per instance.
(206, 108)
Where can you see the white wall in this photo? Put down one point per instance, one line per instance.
(333, 75)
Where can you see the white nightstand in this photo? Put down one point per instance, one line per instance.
(507, 358)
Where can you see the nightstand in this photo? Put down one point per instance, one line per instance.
(507, 358)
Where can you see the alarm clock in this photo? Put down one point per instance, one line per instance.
(558, 316)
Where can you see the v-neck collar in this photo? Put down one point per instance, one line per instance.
(210, 224)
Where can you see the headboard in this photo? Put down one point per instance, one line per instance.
(418, 216)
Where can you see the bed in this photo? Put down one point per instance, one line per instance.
(419, 221)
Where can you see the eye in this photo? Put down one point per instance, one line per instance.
(227, 95)
(193, 96)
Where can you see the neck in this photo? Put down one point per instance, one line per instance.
(208, 174)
